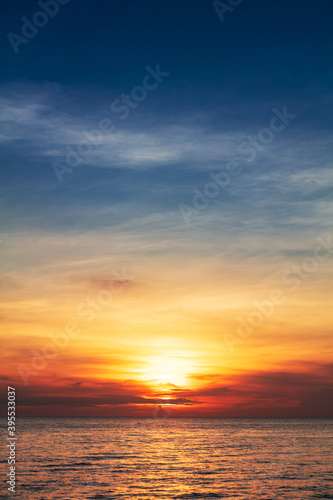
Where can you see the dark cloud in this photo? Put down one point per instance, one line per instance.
(273, 393)
(94, 401)
(287, 393)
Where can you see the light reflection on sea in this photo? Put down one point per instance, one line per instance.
(72, 459)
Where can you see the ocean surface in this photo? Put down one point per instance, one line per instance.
(102, 459)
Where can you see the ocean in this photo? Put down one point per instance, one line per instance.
(169, 458)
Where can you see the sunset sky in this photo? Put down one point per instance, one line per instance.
(132, 280)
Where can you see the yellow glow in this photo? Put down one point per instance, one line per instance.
(168, 370)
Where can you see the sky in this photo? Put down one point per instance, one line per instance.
(166, 229)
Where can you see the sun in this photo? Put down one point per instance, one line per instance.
(168, 370)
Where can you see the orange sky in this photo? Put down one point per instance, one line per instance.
(115, 341)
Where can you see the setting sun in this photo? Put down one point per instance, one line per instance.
(168, 370)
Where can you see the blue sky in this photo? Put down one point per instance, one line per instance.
(224, 79)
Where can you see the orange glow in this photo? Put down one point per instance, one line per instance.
(168, 370)
(169, 342)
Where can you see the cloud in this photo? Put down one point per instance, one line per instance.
(48, 135)
(91, 393)
(45, 120)
(303, 393)
(95, 401)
